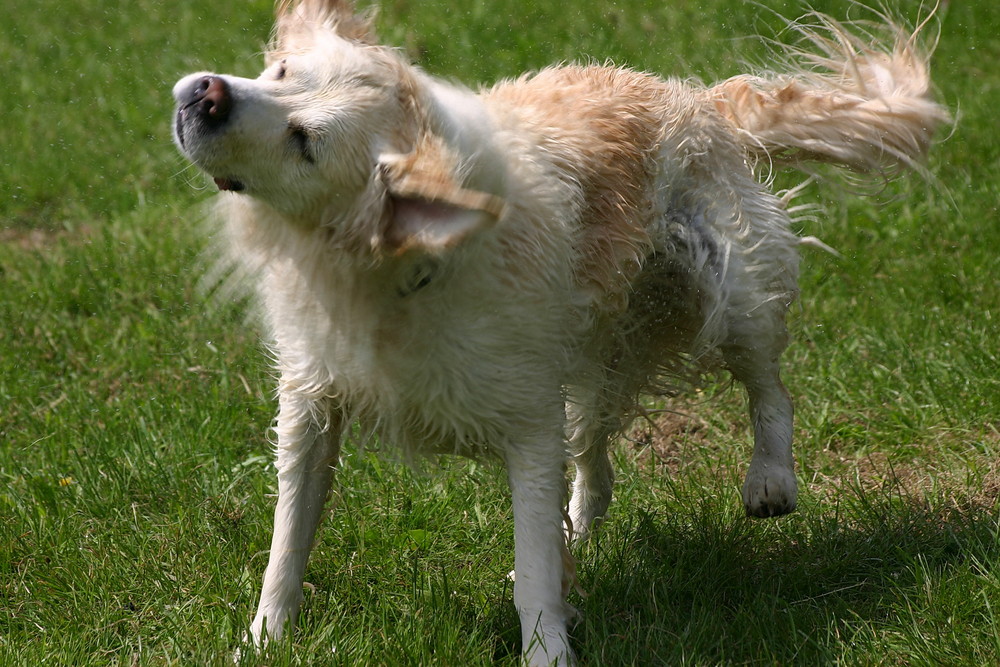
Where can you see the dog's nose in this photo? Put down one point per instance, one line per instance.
(209, 97)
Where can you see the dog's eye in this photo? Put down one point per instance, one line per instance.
(302, 144)
(282, 70)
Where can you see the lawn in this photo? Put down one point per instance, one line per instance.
(135, 479)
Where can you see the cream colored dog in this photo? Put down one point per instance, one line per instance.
(505, 272)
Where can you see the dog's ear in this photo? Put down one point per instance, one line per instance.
(427, 206)
(297, 21)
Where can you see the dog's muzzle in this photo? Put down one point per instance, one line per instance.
(204, 103)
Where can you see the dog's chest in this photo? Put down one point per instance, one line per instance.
(429, 357)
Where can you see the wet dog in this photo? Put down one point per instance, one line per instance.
(505, 272)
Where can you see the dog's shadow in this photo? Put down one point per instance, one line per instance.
(700, 588)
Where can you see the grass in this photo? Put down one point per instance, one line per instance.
(135, 484)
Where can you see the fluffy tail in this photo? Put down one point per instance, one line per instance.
(850, 99)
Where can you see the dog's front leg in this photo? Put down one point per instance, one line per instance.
(537, 482)
(307, 449)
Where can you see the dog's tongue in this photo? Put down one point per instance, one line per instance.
(228, 184)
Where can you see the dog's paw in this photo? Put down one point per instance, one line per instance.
(252, 643)
(582, 520)
(554, 651)
(769, 491)
(256, 639)
(586, 511)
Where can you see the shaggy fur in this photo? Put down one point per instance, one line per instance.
(506, 272)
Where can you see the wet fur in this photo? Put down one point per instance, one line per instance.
(506, 272)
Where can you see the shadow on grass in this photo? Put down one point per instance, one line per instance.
(872, 574)
(885, 578)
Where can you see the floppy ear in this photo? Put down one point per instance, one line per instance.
(427, 206)
(298, 20)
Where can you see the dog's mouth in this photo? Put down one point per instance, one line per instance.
(229, 184)
(223, 183)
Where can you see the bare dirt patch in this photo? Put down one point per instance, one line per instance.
(937, 475)
(676, 436)
(37, 238)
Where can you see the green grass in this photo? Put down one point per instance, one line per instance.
(135, 482)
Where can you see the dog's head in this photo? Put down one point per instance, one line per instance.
(336, 122)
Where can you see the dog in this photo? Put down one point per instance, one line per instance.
(505, 272)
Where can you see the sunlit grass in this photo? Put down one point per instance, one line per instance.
(135, 479)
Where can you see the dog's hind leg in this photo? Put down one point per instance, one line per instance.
(307, 450)
(594, 480)
(770, 487)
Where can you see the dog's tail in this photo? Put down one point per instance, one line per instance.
(856, 95)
